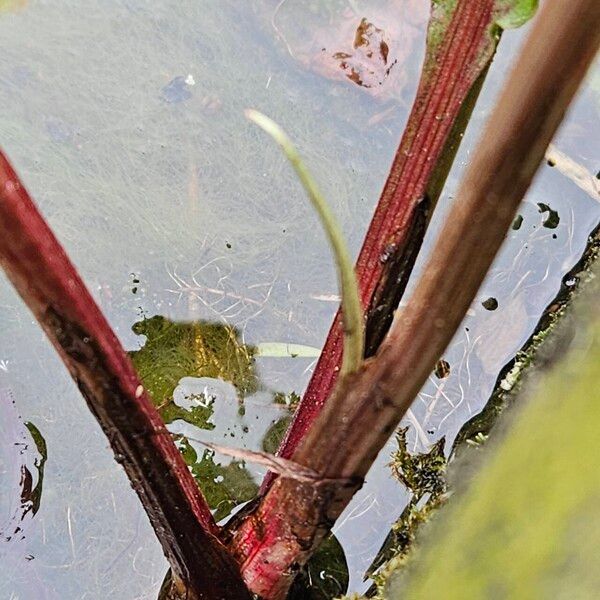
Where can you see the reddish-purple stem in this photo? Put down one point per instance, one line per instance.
(47, 281)
(452, 66)
(291, 519)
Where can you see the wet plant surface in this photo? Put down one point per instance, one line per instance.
(125, 120)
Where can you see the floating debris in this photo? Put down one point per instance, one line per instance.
(516, 225)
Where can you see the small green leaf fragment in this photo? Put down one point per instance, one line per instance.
(514, 13)
(285, 350)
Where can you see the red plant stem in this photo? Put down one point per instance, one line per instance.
(293, 516)
(47, 281)
(452, 66)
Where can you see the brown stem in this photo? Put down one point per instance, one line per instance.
(366, 407)
(50, 286)
(460, 46)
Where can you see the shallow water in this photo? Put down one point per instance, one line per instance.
(124, 119)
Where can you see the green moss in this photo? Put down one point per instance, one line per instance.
(421, 473)
(528, 525)
(424, 476)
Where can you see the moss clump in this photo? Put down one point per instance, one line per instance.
(528, 525)
(424, 475)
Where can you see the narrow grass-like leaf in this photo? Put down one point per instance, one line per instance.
(351, 307)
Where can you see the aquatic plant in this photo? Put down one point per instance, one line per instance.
(461, 41)
(364, 409)
(352, 315)
(261, 549)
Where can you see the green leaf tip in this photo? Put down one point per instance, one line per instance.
(269, 126)
(514, 13)
(352, 313)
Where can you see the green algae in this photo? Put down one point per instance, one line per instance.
(223, 486)
(274, 435)
(174, 350)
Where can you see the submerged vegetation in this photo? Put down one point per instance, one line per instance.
(424, 476)
(23, 456)
(175, 350)
(352, 311)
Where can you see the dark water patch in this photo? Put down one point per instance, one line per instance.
(552, 219)
(326, 574)
(23, 456)
(490, 304)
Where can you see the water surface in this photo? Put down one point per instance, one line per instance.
(124, 118)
